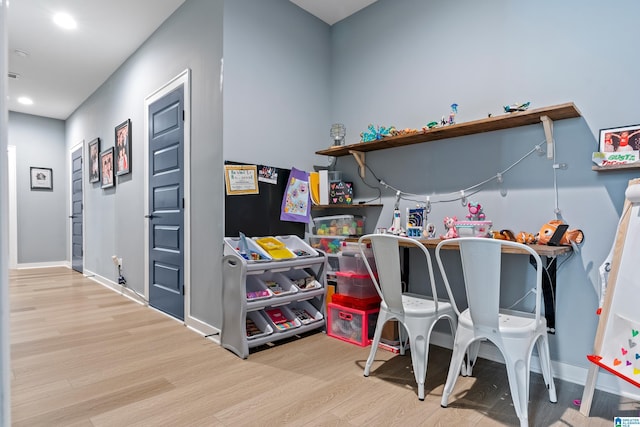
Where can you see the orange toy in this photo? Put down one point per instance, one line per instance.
(526, 238)
(547, 230)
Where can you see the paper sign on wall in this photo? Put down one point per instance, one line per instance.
(241, 179)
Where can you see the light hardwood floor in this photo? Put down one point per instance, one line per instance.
(83, 355)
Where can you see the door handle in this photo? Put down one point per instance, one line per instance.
(72, 216)
(151, 216)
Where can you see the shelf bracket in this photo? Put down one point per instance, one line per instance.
(547, 123)
(359, 156)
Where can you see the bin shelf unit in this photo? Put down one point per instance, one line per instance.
(237, 272)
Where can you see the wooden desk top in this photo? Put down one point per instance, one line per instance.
(542, 250)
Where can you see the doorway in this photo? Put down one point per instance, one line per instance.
(167, 185)
(77, 208)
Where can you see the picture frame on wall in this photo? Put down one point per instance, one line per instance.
(620, 139)
(123, 148)
(107, 168)
(94, 160)
(41, 178)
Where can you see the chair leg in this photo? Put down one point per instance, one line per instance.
(545, 365)
(517, 361)
(460, 344)
(382, 319)
(418, 360)
(470, 358)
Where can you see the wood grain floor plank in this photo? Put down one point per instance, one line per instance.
(83, 355)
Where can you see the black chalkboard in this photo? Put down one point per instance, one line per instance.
(258, 215)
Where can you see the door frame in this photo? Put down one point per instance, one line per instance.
(13, 207)
(79, 145)
(184, 78)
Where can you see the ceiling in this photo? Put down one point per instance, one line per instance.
(58, 69)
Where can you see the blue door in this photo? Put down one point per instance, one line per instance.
(76, 210)
(166, 203)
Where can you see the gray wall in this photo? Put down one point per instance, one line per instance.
(403, 62)
(5, 354)
(42, 226)
(277, 63)
(190, 38)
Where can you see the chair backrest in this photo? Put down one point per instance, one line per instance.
(386, 252)
(481, 266)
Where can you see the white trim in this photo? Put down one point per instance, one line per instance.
(111, 285)
(63, 263)
(184, 78)
(80, 146)
(205, 329)
(13, 208)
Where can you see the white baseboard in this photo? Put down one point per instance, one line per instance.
(129, 293)
(562, 371)
(204, 329)
(24, 265)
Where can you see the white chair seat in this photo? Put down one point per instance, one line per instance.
(509, 323)
(418, 306)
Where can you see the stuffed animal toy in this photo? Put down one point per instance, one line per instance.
(547, 230)
(526, 238)
(450, 226)
(503, 235)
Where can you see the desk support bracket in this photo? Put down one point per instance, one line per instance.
(547, 124)
(548, 291)
(359, 156)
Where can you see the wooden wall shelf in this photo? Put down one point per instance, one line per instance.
(616, 167)
(503, 121)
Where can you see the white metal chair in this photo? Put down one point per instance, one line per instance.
(416, 313)
(514, 333)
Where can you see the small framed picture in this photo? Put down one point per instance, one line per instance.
(108, 172)
(41, 178)
(625, 138)
(123, 147)
(94, 160)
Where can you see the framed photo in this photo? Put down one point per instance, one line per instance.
(123, 148)
(620, 139)
(106, 164)
(94, 160)
(41, 178)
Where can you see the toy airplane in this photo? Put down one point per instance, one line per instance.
(516, 107)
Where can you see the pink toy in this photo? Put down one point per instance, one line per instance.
(475, 212)
(450, 226)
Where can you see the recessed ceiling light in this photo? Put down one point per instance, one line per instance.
(65, 21)
(25, 100)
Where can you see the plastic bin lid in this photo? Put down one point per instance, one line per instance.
(352, 275)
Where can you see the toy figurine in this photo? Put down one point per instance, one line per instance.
(450, 226)
(516, 107)
(452, 114)
(526, 238)
(475, 212)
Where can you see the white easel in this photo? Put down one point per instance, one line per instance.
(622, 289)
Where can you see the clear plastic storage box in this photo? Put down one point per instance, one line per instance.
(355, 285)
(339, 225)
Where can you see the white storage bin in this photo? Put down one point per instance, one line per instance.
(277, 283)
(281, 318)
(305, 312)
(298, 246)
(232, 245)
(302, 280)
(260, 323)
(256, 289)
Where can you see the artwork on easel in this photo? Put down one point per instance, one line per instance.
(620, 353)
